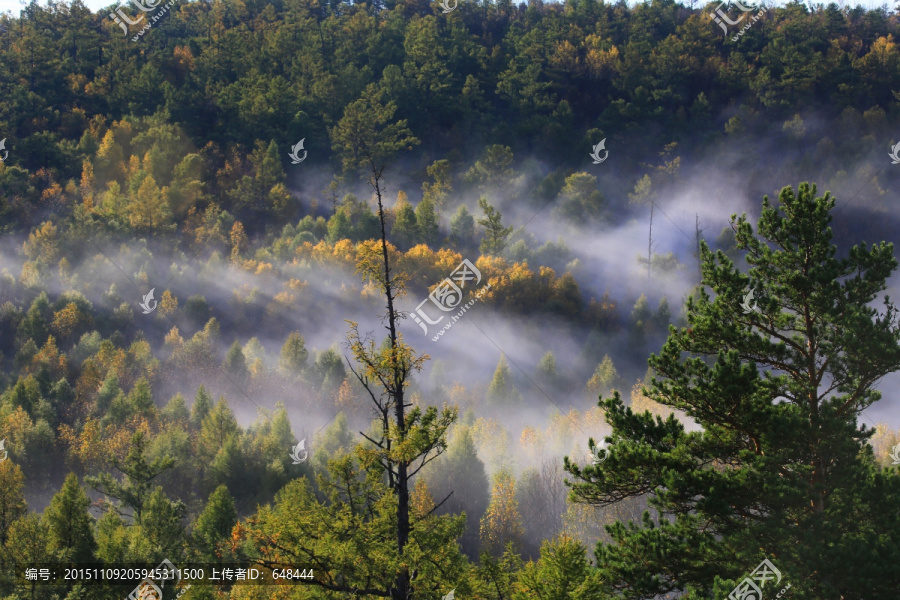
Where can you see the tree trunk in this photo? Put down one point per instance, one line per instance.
(402, 482)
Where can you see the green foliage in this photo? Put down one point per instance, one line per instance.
(201, 407)
(292, 362)
(27, 543)
(427, 224)
(12, 498)
(176, 410)
(330, 371)
(495, 235)
(501, 391)
(213, 526)
(436, 191)
(217, 428)
(366, 137)
(546, 370)
(501, 525)
(235, 364)
(459, 479)
(353, 221)
(605, 378)
(562, 573)
(142, 164)
(161, 526)
(69, 525)
(133, 490)
(493, 169)
(405, 231)
(781, 461)
(580, 200)
(462, 228)
(348, 533)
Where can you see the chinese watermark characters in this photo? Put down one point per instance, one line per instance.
(448, 295)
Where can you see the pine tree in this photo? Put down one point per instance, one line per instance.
(501, 525)
(605, 377)
(112, 539)
(493, 169)
(134, 488)
(330, 370)
(580, 200)
(215, 523)
(663, 315)
(461, 485)
(161, 525)
(339, 227)
(462, 228)
(546, 369)
(495, 235)
(201, 407)
(140, 399)
(235, 365)
(562, 572)
(12, 499)
(176, 410)
(217, 427)
(501, 391)
(292, 362)
(70, 531)
(405, 232)
(427, 224)
(780, 467)
(407, 436)
(437, 192)
(27, 545)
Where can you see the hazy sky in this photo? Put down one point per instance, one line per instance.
(16, 5)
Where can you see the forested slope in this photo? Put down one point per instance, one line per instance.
(177, 274)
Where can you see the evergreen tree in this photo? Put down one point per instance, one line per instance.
(493, 169)
(235, 365)
(214, 525)
(292, 362)
(580, 200)
(112, 539)
(69, 525)
(663, 315)
(335, 440)
(501, 391)
(201, 407)
(134, 488)
(462, 228)
(405, 232)
(140, 400)
(501, 525)
(217, 427)
(437, 191)
(330, 370)
(12, 498)
(462, 485)
(495, 235)
(161, 525)
(176, 410)
(605, 377)
(339, 227)
(368, 140)
(561, 573)
(546, 370)
(27, 545)
(780, 462)
(427, 224)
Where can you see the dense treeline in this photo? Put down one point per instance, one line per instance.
(534, 78)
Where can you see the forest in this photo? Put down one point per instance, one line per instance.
(478, 301)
